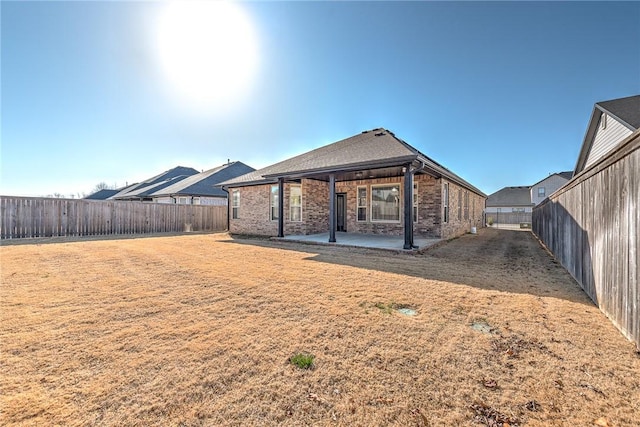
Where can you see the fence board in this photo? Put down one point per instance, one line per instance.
(591, 226)
(24, 217)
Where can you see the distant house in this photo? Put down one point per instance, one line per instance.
(509, 205)
(541, 189)
(141, 191)
(201, 188)
(611, 122)
(372, 182)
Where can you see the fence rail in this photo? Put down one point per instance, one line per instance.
(591, 226)
(509, 218)
(23, 217)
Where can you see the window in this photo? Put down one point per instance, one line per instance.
(459, 204)
(295, 203)
(273, 211)
(182, 201)
(362, 203)
(445, 202)
(541, 192)
(517, 210)
(466, 205)
(415, 202)
(235, 204)
(385, 203)
(196, 200)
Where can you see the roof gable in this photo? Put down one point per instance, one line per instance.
(377, 148)
(367, 147)
(625, 110)
(565, 175)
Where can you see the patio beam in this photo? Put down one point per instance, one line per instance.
(332, 208)
(408, 207)
(280, 207)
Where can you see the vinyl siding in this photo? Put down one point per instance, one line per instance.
(606, 139)
(550, 184)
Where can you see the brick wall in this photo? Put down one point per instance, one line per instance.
(465, 211)
(254, 209)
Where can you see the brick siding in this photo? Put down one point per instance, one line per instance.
(254, 209)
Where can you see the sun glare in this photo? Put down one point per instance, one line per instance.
(208, 52)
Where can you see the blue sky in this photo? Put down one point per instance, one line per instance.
(498, 92)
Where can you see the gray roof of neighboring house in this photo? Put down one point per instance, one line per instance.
(164, 177)
(377, 148)
(625, 110)
(205, 183)
(147, 190)
(566, 175)
(510, 196)
(103, 194)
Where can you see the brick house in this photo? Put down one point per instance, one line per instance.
(372, 182)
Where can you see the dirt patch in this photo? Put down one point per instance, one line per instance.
(201, 330)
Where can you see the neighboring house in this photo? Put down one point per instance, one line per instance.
(140, 191)
(103, 194)
(372, 182)
(202, 188)
(509, 205)
(611, 122)
(541, 189)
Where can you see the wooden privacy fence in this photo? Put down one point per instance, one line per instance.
(591, 226)
(23, 217)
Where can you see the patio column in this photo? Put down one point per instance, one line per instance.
(332, 208)
(280, 207)
(408, 207)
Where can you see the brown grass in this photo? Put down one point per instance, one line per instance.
(199, 330)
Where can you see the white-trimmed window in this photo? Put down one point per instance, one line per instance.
(295, 203)
(362, 204)
(445, 201)
(415, 202)
(274, 199)
(385, 203)
(541, 192)
(517, 210)
(235, 204)
(196, 201)
(182, 200)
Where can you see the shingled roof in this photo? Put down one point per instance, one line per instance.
(373, 149)
(510, 196)
(148, 184)
(205, 183)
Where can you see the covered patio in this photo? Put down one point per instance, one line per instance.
(360, 240)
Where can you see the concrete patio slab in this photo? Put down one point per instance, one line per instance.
(375, 241)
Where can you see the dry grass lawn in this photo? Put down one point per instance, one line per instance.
(198, 330)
